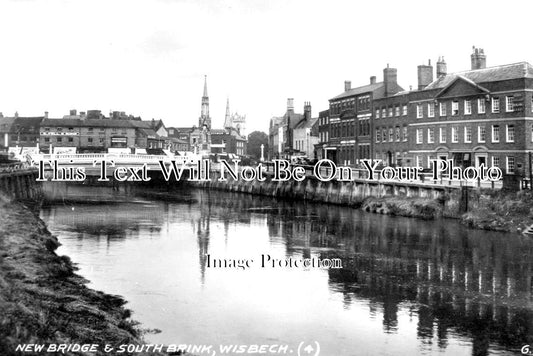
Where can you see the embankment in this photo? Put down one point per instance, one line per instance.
(483, 209)
(42, 300)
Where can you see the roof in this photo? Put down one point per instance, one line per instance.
(61, 122)
(5, 123)
(490, 74)
(359, 90)
(306, 123)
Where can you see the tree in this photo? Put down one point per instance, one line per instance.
(255, 140)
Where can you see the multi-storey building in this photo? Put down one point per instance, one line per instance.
(480, 116)
(281, 135)
(351, 118)
(321, 147)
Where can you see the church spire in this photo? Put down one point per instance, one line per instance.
(205, 119)
(227, 121)
(205, 86)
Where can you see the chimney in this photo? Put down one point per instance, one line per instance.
(290, 105)
(390, 77)
(46, 114)
(347, 85)
(16, 114)
(73, 112)
(373, 79)
(425, 75)
(441, 67)
(1, 115)
(478, 58)
(307, 110)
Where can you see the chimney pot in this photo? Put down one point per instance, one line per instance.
(373, 79)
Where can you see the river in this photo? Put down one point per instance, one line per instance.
(407, 286)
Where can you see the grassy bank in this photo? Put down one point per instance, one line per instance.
(42, 300)
(491, 210)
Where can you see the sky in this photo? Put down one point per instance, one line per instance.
(149, 58)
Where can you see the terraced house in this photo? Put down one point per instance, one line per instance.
(480, 116)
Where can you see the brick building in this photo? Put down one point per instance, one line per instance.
(479, 116)
(351, 119)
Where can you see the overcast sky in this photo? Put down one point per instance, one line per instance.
(149, 58)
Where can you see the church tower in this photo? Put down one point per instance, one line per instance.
(204, 123)
(205, 119)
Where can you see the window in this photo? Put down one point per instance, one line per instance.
(510, 133)
(468, 134)
(455, 134)
(397, 110)
(378, 135)
(90, 140)
(495, 133)
(384, 113)
(481, 134)
(404, 110)
(419, 136)
(390, 111)
(431, 135)
(418, 160)
(419, 111)
(70, 129)
(90, 129)
(60, 139)
(391, 134)
(455, 108)
(509, 103)
(377, 113)
(397, 133)
(442, 134)
(442, 109)
(495, 161)
(495, 105)
(431, 110)
(405, 133)
(47, 139)
(510, 164)
(468, 107)
(70, 139)
(481, 106)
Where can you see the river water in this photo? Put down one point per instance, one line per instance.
(407, 286)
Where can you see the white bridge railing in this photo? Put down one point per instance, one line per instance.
(89, 158)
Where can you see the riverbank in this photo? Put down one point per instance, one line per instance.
(42, 299)
(481, 209)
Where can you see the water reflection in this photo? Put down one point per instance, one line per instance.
(431, 286)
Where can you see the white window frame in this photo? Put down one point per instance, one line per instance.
(404, 110)
(442, 134)
(404, 132)
(442, 109)
(466, 131)
(495, 161)
(479, 128)
(509, 103)
(455, 108)
(419, 136)
(431, 110)
(508, 137)
(493, 131)
(508, 165)
(455, 134)
(468, 107)
(419, 111)
(481, 107)
(495, 105)
(431, 135)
